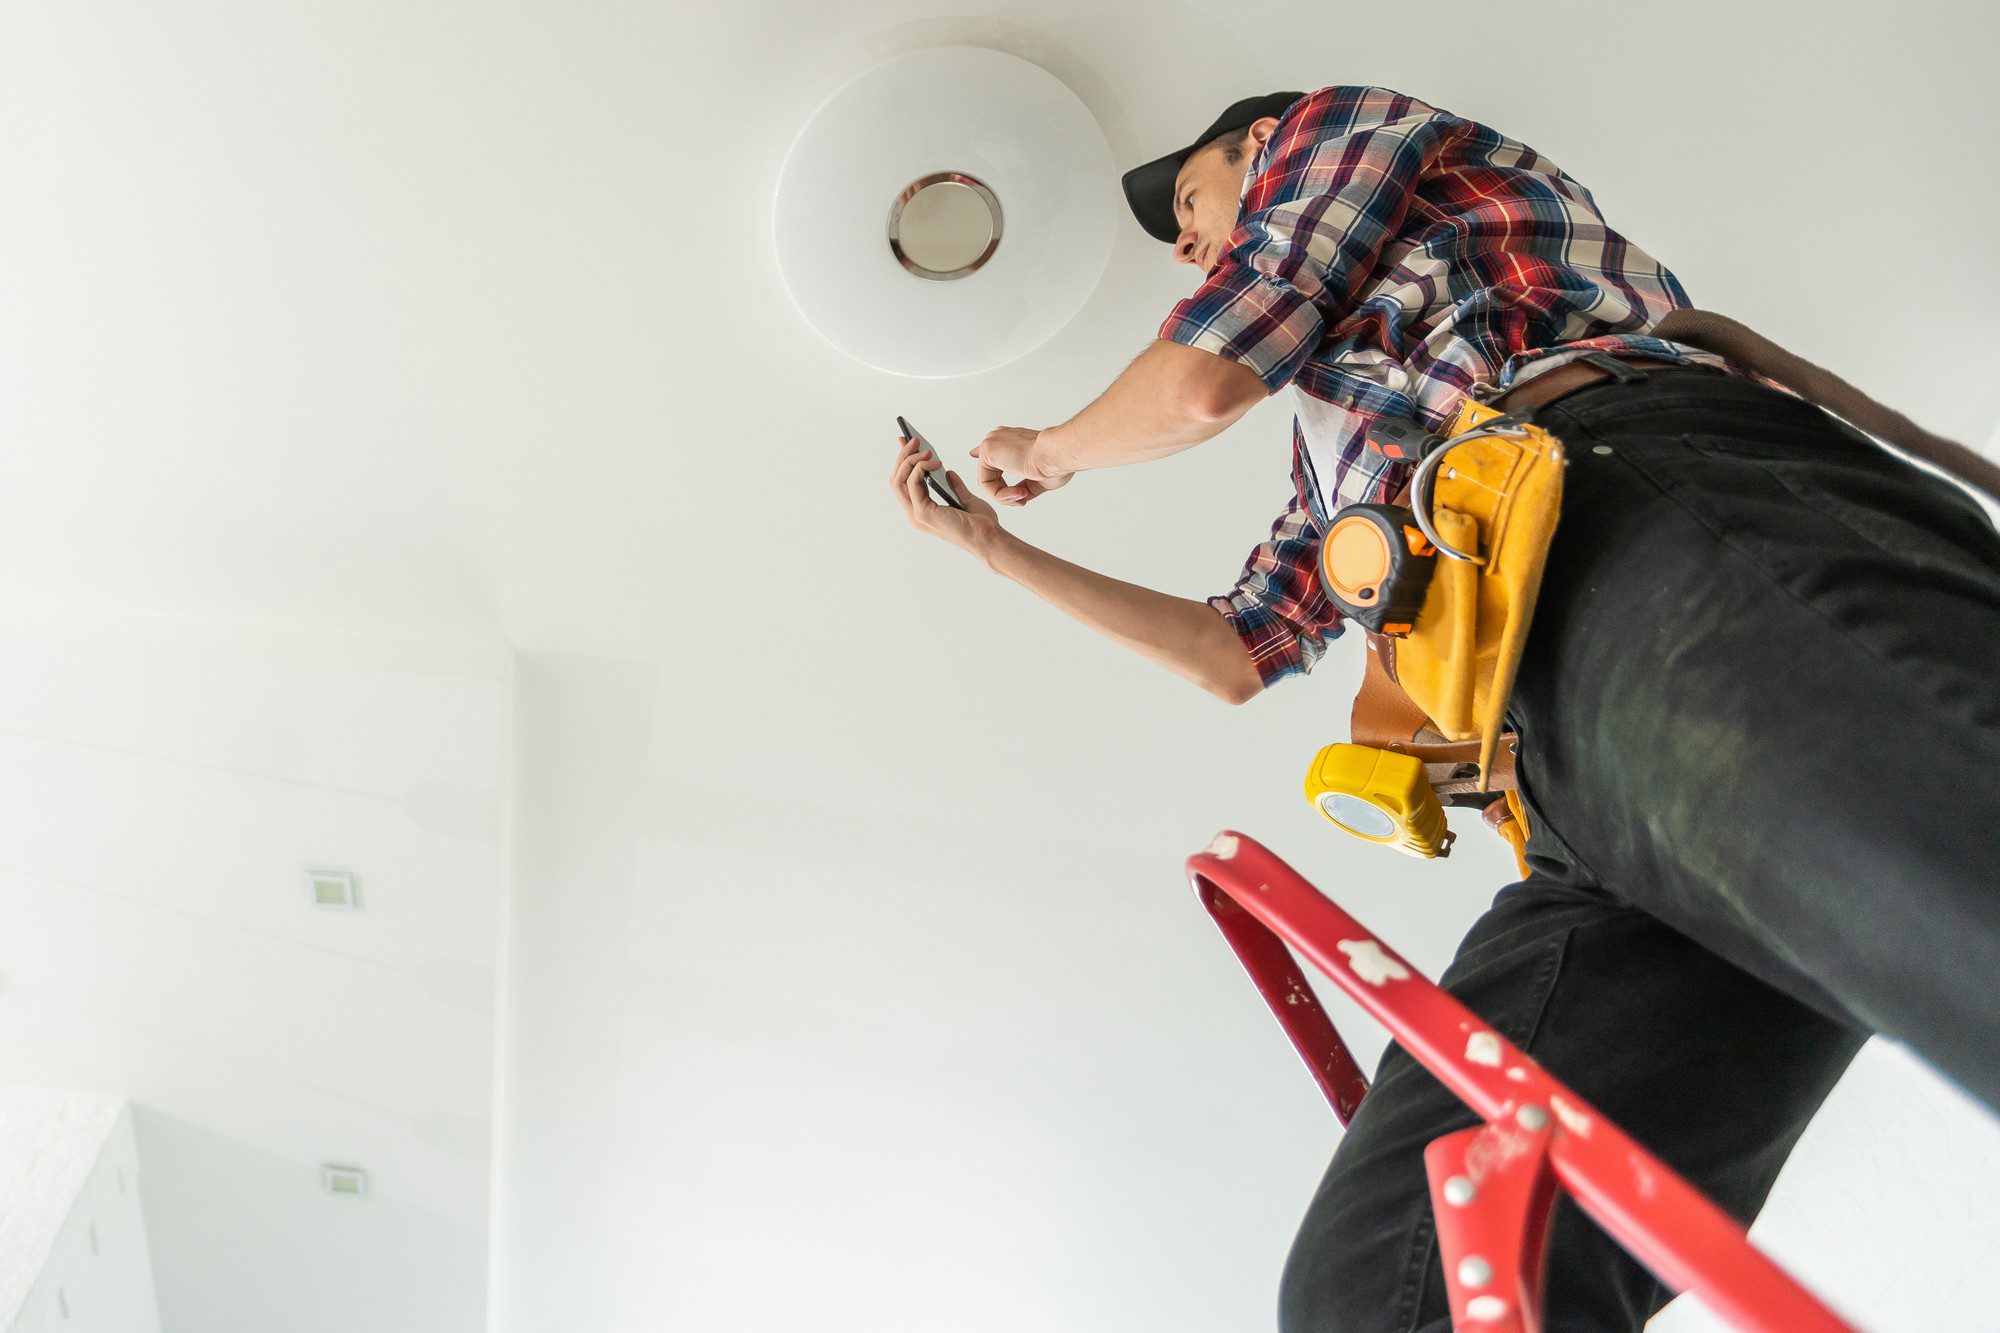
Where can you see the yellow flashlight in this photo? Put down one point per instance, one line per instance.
(1379, 796)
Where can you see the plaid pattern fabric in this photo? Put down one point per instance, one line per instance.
(1388, 258)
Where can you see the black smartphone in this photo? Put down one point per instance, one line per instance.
(939, 483)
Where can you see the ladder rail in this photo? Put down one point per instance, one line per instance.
(1266, 910)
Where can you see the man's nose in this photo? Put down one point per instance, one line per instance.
(1184, 248)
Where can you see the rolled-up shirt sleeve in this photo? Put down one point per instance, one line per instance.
(1241, 315)
(1341, 172)
(1276, 607)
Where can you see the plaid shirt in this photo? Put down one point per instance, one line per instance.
(1388, 258)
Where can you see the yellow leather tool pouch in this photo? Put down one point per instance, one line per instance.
(1494, 496)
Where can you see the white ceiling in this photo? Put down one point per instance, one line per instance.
(457, 322)
(460, 319)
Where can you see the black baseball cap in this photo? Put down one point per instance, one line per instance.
(1149, 189)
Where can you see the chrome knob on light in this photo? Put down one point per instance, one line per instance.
(945, 226)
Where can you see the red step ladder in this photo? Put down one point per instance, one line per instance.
(1493, 1186)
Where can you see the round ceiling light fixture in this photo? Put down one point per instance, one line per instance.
(945, 212)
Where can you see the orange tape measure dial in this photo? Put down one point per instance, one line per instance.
(1375, 564)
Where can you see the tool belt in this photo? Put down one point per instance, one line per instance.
(1446, 598)
(1487, 498)
(1445, 578)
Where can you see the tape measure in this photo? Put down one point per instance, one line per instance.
(1375, 564)
(1379, 796)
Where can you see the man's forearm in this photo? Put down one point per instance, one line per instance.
(1171, 398)
(1189, 638)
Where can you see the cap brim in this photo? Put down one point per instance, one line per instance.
(1149, 189)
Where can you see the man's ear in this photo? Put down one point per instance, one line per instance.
(1260, 130)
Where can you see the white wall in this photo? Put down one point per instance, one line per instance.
(1890, 1203)
(772, 1059)
(165, 783)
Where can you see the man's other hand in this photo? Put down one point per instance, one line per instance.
(970, 529)
(1012, 449)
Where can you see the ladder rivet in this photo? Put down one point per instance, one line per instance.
(1531, 1117)
(1474, 1271)
(1458, 1190)
(1600, 449)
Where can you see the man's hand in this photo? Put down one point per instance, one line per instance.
(970, 529)
(1013, 449)
(1187, 637)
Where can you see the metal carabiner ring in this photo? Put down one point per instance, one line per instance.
(1424, 480)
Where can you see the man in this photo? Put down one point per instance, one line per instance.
(1760, 747)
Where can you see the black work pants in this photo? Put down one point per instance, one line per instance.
(1760, 715)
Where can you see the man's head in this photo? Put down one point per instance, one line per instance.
(1208, 189)
(1190, 198)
